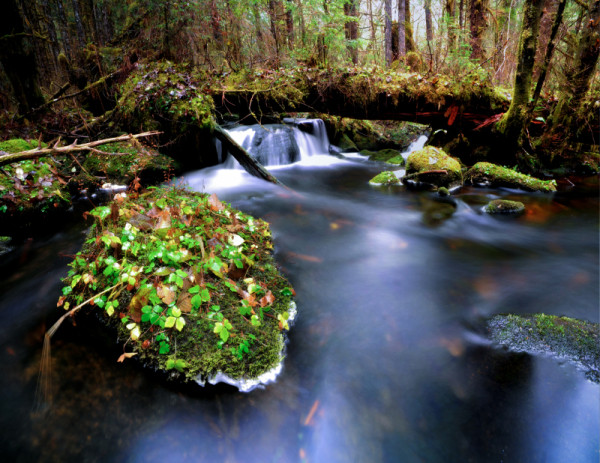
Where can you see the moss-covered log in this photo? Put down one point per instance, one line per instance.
(487, 174)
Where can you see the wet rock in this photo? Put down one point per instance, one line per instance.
(432, 168)
(492, 175)
(389, 155)
(504, 206)
(385, 178)
(561, 337)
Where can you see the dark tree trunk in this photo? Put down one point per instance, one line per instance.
(450, 13)
(478, 24)
(78, 24)
(351, 28)
(289, 23)
(549, 51)
(18, 60)
(388, 32)
(513, 123)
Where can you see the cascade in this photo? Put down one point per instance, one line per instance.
(279, 144)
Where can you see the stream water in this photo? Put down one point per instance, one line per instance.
(386, 361)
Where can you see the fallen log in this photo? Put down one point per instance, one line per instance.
(73, 147)
(251, 165)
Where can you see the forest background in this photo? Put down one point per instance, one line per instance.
(62, 62)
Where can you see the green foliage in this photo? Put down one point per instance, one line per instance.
(188, 286)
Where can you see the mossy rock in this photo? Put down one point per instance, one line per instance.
(504, 206)
(487, 174)
(188, 283)
(346, 144)
(385, 178)
(383, 155)
(432, 166)
(563, 337)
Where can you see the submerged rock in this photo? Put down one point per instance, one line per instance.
(565, 338)
(432, 167)
(504, 206)
(487, 174)
(189, 285)
(385, 178)
(385, 155)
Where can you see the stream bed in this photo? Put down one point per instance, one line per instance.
(386, 361)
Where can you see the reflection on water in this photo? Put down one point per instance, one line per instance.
(384, 363)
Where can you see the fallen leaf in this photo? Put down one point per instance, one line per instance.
(126, 355)
(214, 203)
(165, 294)
(305, 257)
(267, 299)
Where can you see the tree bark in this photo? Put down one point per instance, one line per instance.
(478, 24)
(401, 29)
(388, 32)
(513, 123)
(351, 28)
(410, 41)
(429, 31)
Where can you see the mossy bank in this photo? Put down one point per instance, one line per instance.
(562, 337)
(187, 282)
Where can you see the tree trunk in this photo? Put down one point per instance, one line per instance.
(401, 30)
(388, 32)
(275, 26)
(18, 60)
(579, 77)
(302, 25)
(78, 24)
(410, 41)
(513, 123)
(478, 24)
(289, 23)
(549, 51)
(351, 28)
(450, 16)
(429, 31)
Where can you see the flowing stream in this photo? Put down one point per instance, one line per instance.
(386, 361)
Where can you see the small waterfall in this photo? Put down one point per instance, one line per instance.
(280, 144)
(414, 146)
(311, 136)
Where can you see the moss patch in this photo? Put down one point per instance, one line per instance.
(385, 178)
(120, 163)
(433, 166)
(504, 206)
(188, 283)
(485, 173)
(382, 155)
(575, 340)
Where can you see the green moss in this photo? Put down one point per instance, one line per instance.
(397, 160)
(16, 145)
(385, 178)
(576, 340)
(432, 165)
(496, 176)
(120, 163)
(382, 155)
(504, 206)
(189, 284)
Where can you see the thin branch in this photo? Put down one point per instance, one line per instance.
(73, 147)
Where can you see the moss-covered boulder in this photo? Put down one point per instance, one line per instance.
(345, 144)
(385, 178)
(504, 207)
(188, 283)
(492, 175)
(565, 338)
(432, 167)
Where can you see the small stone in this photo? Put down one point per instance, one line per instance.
(504, 206)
